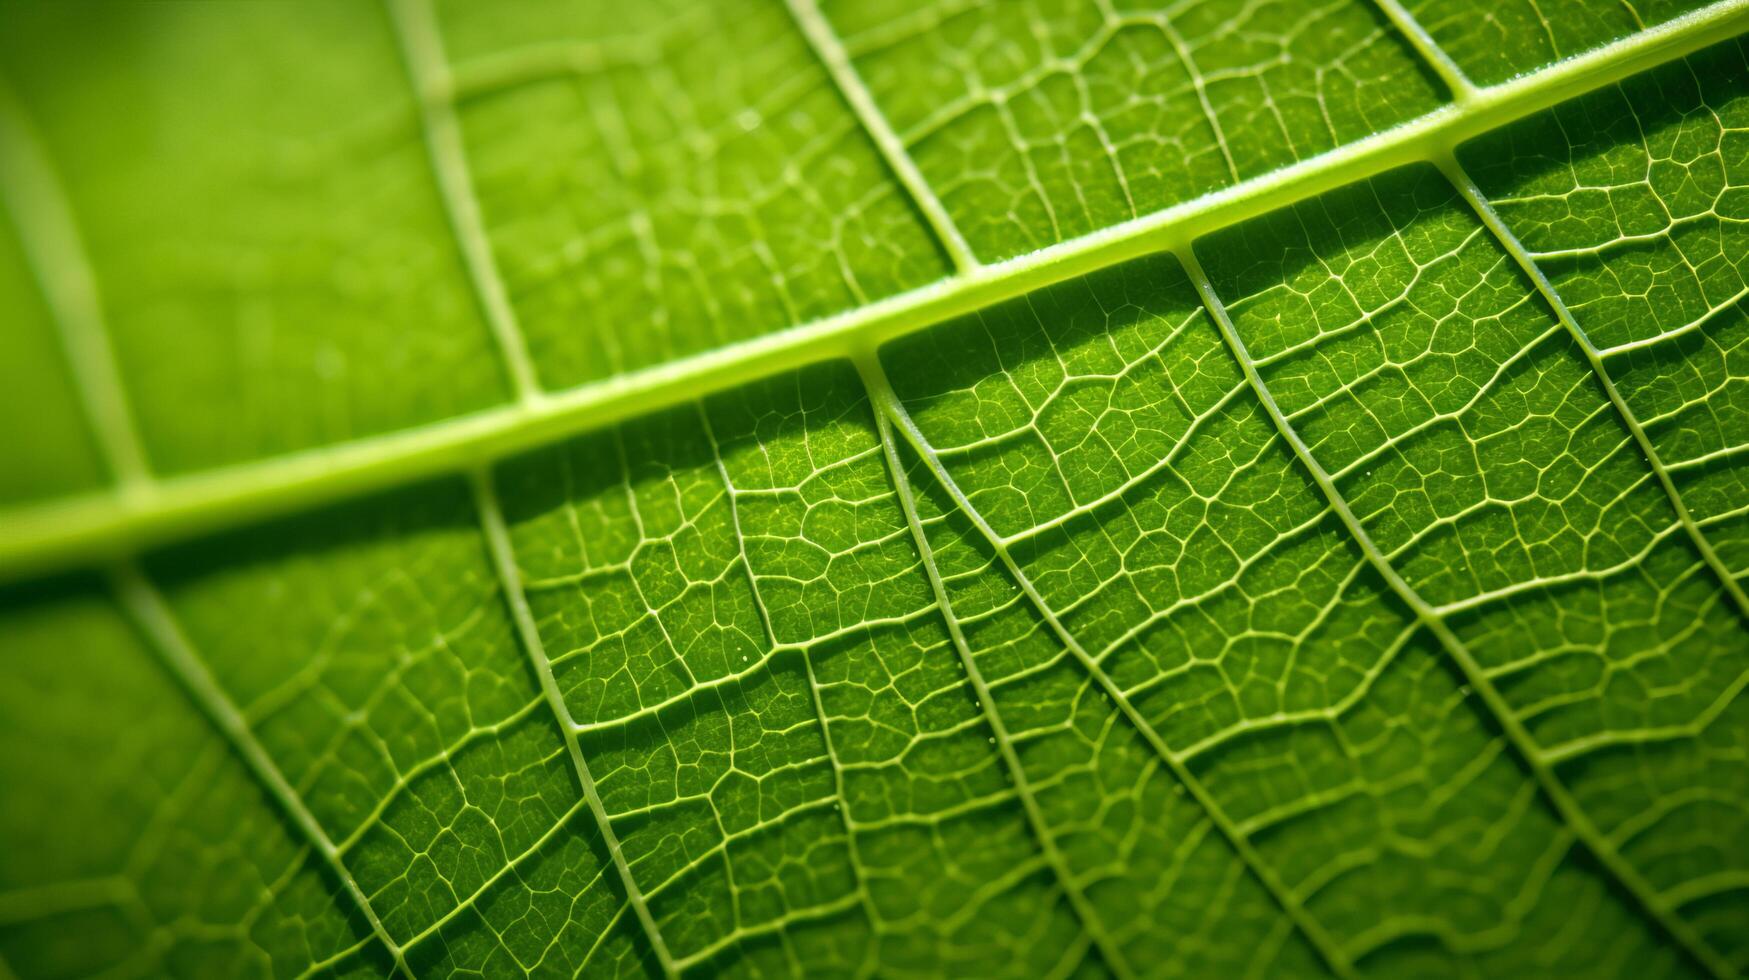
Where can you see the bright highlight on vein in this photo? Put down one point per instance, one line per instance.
(822, 489)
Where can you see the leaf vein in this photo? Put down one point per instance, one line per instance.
(1644, 895)
(39, 538)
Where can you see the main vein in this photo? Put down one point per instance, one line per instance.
(510, 578)
(885, 401)
(164, 636)
(105, 525)
(1641, 890)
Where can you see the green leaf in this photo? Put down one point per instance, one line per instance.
(558, 488)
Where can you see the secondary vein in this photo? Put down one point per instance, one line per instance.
(510, 577)
(434, 91)
(830, 50)
(152, 616)
(1090, 923)
(1460, 179)
(1329, 951)
(31, 191)
(1642, 892)
(1462, 89)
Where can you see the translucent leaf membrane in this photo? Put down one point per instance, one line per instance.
(1357, 590)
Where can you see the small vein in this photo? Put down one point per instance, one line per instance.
(510, 577)
(472, 900)
(1199, 82)
(152, 616)
(830, 50)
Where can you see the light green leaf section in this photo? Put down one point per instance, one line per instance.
(1039, 121)
(273, 260)
(1353, 588)
(152, 853)
(661, 179)
(54, 456)
(1495, 42)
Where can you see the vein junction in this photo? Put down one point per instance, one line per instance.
(1300, 601)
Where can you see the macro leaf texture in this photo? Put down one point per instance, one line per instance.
(884, 488)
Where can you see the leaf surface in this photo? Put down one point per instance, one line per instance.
(874, 489)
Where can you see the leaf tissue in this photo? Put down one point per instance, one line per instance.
(874, 488)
